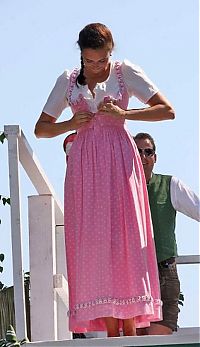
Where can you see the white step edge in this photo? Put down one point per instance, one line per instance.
(183, 336)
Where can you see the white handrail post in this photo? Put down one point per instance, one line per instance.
(42, 267)
(62, 305)
(12, 134)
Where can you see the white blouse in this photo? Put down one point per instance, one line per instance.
(135, 80)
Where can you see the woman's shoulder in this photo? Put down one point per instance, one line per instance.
(137, 82)
(128, 69)
(63, 79)
(65, 75)
(129, 66)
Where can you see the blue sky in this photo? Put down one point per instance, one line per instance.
(38, 41)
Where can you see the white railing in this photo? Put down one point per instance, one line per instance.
(49, 290)
(46, 246)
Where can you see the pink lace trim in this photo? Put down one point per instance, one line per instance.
(120, 79)
(114, 301)
(72, 81)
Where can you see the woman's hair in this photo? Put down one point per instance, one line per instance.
(94, 36)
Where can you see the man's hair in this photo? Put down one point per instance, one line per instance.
(143, 136)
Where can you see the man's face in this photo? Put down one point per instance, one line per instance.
(147, 155)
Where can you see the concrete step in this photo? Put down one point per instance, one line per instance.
(187, 337)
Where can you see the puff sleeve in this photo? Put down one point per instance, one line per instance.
(57, 100)
(137, 83)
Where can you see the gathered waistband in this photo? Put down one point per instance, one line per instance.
(101, 121)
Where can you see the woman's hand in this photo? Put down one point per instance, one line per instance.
(111, 108)
(47, 126)
(80, 119)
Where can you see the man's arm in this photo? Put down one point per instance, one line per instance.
(184, 199)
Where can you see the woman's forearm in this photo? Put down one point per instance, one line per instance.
(151, 114)
(51, 129)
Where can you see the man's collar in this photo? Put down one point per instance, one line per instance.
(152, 179)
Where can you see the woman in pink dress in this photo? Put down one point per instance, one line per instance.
(111, 263)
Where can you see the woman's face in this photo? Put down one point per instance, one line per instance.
(96, 61)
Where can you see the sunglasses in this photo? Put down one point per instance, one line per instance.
(148, 152)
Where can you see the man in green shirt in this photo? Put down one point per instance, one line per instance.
(167, 195)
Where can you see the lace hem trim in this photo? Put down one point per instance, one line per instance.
(114, 301)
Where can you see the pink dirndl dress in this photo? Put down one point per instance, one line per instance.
(111, 261)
